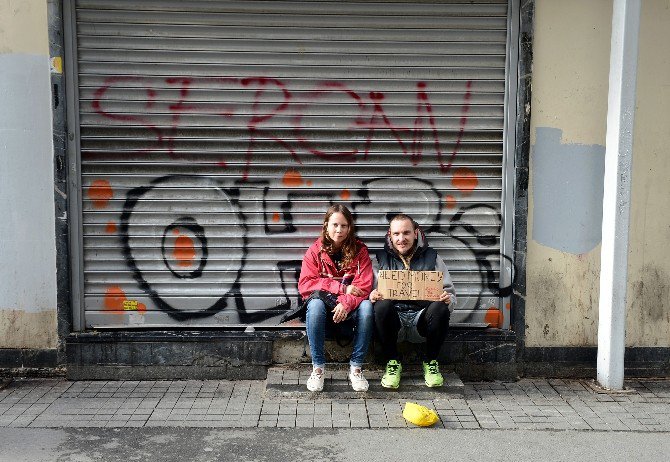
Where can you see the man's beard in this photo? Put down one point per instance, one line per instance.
(410, 250)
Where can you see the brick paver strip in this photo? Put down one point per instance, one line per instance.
(556, 404)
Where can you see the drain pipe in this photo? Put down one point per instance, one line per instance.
(616, 197)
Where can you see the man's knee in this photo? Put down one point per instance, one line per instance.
(384, 309)
(436, 315)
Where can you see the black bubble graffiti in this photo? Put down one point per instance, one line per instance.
(132, 199)
(198, 231)
(481, 256)
(289, 270)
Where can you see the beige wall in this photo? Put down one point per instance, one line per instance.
(569, 93)
(569, 97)
(27, 247)
(23, 27)
(648, 310)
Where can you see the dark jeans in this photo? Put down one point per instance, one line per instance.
(433, 325)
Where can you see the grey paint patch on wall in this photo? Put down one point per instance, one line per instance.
(27, 243)
(567, 192)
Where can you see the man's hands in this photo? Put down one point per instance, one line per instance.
(375, 295)
(445, 297)
(339, 313)
(355, 291)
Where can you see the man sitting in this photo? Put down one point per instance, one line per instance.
(406, 248)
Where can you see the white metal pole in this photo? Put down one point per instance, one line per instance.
(616, 198)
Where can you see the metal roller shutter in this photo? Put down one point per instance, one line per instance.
(214, 134)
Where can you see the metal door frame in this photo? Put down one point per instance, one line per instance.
(507, 263)
(75, 208)
(76, 232)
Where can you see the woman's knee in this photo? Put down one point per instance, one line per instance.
(366, 312)
(316, 310)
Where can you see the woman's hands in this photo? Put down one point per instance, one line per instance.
(353, 290)
(339, 313)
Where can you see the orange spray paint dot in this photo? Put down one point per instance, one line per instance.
(100, 192)
(141, 307)
(175, 232)
(493, 317)
(110, 228)
(292, 178)
(275, 217)
(184, 251)
(114, 298)
(507, 306)
(309, 183)
(345, 194)
(450, 201)
(465, 179)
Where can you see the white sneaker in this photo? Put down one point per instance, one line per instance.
(315, 381)
(358, 382)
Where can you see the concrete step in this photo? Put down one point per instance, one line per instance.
(290, 382)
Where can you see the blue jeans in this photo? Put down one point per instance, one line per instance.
(363, 318)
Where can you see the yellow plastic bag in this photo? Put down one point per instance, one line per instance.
(419, 415)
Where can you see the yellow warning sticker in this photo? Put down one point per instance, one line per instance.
(131, 305)
(56, 65)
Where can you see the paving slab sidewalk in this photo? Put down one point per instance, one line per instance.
(283, 401)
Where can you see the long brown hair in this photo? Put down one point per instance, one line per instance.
(350, 244)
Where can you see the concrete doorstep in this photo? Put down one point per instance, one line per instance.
(290, 382)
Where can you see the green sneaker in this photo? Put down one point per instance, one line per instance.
(431, 374)
(391, 377)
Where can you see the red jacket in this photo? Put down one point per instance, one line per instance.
(320, 273)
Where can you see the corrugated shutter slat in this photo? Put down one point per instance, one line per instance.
(214, 134)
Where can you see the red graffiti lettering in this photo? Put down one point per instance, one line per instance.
(464, 120)
(151, 96)
(328, 89)
(272, 97)
(181, 106)
(423, 104)
(258, 117)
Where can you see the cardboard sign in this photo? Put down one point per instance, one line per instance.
(410, 285)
